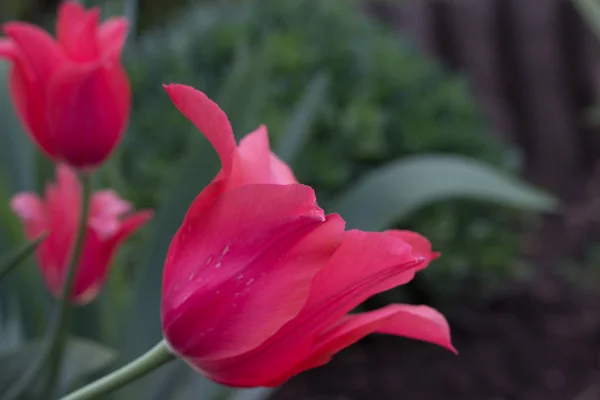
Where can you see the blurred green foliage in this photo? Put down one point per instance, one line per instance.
(385, 100)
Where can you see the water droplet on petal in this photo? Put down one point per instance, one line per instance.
(226, 249)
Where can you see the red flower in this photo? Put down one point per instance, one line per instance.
(258, 282)
(72, 94)
(58, 215)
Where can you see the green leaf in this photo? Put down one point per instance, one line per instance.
(82, 358)
(304, 115)
(590, 11)
(17, 257)
(392, 192)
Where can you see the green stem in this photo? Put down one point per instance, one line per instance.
(16, 258)
(58, 339)
(52, 350)
(154, 358)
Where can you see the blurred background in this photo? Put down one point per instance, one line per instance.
(473, 122)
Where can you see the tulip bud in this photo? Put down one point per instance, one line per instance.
(259, 283)
(110, 222)
(72, 93)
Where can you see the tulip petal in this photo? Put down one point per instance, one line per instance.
(35, 57)
(112, 37)
(62, 207)
(242, 266)
(88, 107)
(93, 270)
(208, 117)
(31, 211)
(420, 246)
(77, 32)
(414, 322)
(63, 202)
(40, 52)
(282, 173)
(30, 108)
(70, 14)
(129, 225)
(410, 321)
(252, 163)
(8, 50)
(255, 163)
(366, 263)
(105, 212)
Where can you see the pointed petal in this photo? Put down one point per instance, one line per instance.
(88, 109)
(93, 270)
(112, 37)
(129, 225)
(421, 247)
(105, 212)
(32, 213)
(419, 323)
(77, 31)
(41, 54)
(253, 239)
(281, 173)
(63, 202)
(414, 322)
(252, 163)
(210, 120)
(366, 263)
(255, 163)
(70, 14)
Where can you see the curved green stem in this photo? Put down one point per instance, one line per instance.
(53, 348)
(154, 358)
(16, 258)
(58, 339)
